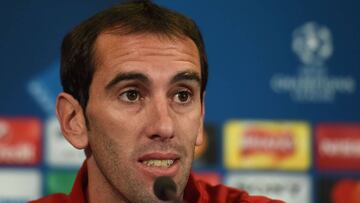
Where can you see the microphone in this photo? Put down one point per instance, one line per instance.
(165, 189)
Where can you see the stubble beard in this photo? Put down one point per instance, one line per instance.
(124, 183)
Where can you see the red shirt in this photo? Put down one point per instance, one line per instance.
(195, 192)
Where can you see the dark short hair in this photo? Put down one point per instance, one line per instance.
(133, 17)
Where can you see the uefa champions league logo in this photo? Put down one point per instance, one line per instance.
(312, 43)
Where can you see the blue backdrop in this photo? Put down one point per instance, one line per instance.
(266, 58)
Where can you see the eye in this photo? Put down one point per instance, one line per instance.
(130, 96)
(183, 97)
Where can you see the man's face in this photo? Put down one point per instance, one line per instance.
(144, 111)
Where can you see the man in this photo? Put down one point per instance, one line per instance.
(134, 78)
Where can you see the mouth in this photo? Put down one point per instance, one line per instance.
(159, 164)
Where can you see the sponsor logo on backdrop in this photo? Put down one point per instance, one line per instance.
(313, 45)
(289, 188)
(338, 146)
(20, 141)
(59, 152)
(267, 145)
(278, 142)
(19, 185)
(339, 190)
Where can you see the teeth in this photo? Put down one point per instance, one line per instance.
(159, 163)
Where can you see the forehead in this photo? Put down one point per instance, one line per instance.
(115, 48)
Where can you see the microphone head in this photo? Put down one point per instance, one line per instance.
(162, 185)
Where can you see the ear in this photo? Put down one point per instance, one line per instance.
(72, 120)
(200, 136)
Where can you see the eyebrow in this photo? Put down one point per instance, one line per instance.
(126, 77)
(185, 75)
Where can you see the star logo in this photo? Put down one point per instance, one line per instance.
(312, 43)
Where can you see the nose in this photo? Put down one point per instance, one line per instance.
(161, 120)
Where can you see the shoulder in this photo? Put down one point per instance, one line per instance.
(54, 198)
(221, 193)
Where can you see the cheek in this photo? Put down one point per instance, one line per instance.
(189, 126)
(112, 131)
(113, 121)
